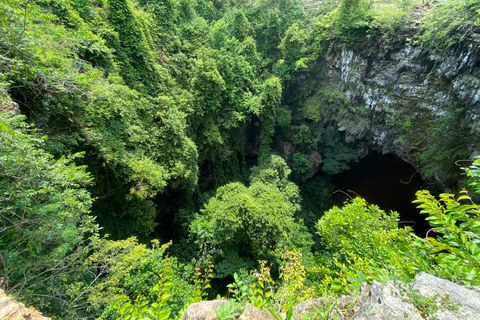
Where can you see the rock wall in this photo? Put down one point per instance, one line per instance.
(395, 93)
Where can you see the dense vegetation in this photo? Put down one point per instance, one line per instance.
(138, 120)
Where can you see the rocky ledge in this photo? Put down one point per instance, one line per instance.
(13, 310)
(427, 297)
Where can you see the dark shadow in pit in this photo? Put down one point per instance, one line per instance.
(387, 181)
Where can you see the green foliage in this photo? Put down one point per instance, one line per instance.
(292, 289)
(136, 281)
(473, 173)
(337, 156)
(364, 243)
(238, 289)
(326, 311)
(270, 20)
(390, 18)
(264, 289)
(225, 93)
(125, 217)
(133, 49)
(143, 139)
(117, 259)
(276, 171)
(341, 228)
(288, 313)
(345, 23)
(327, 104)
(202, 282)
(293, 48)
(307, 137)
(427, 306)
(243, 224)
(451, 24)
(457, 222)
(143, 277)
(317, 196)
(300, 165)
(229, 310)
(446, 142)
(270, 103)
(154, 90)
(141, 308)
(45, 219)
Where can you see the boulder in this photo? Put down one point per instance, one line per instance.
(13, 310)
(428, 297)
(204, 310)
(385, 302)
(252, 313)
(454, 301)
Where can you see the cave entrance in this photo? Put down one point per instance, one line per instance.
(387, 181)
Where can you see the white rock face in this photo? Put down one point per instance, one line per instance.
(468, 301)
(444, 300)
(389, 88)
(385, 302)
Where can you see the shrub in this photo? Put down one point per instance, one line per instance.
(364, 243)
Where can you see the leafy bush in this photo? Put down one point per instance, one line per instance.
(345, 24)
(451, 24)
(136, 281)
(445, 144)
(364, 243)
(456, 221)
(300, 165)
(337, 156)
(244, 224)
(292, 289)
(326, 105)
(229, 310)
(46, 227)
(390, 17)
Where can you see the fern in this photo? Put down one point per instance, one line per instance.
(457, 221)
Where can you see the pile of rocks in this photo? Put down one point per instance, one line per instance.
(427, 297)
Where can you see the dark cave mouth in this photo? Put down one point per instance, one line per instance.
(387, 181)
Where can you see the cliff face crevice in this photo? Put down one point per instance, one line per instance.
(398, 98)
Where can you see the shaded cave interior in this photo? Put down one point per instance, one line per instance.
(387, 181)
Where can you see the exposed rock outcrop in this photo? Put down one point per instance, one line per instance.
(394, 96)
(251, 312)
(203, 310)
(13, 310)
(428, 297)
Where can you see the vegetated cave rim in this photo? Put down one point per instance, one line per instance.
(387, 181)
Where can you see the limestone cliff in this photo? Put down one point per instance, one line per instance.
(421, 105)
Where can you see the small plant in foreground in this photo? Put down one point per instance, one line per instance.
(277, 316)
(141, 307)
(229, 310)
(239, 289)
(264, 289)
(202, 283)
(325, 312)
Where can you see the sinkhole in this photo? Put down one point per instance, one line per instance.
(387, 181)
